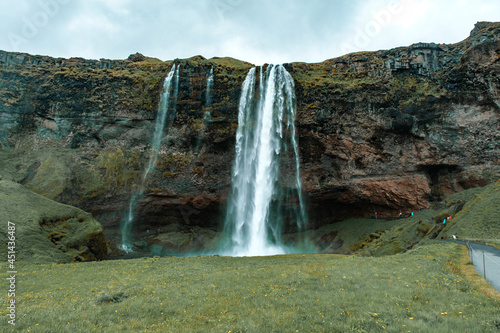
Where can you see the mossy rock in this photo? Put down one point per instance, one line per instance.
(441, 217)
(423, 229)
(51, 177)
(47, 231)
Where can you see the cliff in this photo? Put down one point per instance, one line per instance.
(383, 131)
(391, 130)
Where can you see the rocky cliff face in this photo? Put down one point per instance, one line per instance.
(384, 131)
(391, 130)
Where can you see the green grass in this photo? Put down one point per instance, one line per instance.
(422, 290)
(479, 220)
(346, 234)
(231, 62)
(318, 74)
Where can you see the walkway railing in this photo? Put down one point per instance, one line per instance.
(486, 260)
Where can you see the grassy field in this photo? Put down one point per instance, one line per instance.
(427, 289)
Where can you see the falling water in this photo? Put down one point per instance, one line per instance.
(207, 118)
(210, 84)
(254, 216)
(208, 100)
(161, 118)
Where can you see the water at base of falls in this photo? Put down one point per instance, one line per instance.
(265, 167)
(172, 80)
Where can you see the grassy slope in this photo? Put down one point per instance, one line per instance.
(474, 214)
(479, 220)
(344, 235)
(47, 231)
(422, 290)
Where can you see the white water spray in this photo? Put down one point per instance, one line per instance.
(161, 117)
(253, 218)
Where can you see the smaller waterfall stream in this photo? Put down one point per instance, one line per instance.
(172, 79)
(210, 84)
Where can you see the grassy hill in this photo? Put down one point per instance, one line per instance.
(47, 231)
(479, 220)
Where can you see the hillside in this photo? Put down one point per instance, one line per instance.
(39, 230)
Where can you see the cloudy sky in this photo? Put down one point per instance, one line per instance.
(257, 31)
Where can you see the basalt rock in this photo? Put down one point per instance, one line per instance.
(384, 131)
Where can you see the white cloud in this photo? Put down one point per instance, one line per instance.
(411, 12)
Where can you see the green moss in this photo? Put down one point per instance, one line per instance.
(115, 169)
(324, 74)
(409, 90)
(51, 177)
(47, 231)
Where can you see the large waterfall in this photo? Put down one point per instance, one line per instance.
(266, 166)
(170, 85)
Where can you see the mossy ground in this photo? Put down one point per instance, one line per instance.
(422, 290)
(47, 231)
(346, 234)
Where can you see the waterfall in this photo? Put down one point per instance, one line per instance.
(208, 100)
(210, 84)
(161, 117)
(266, 128)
